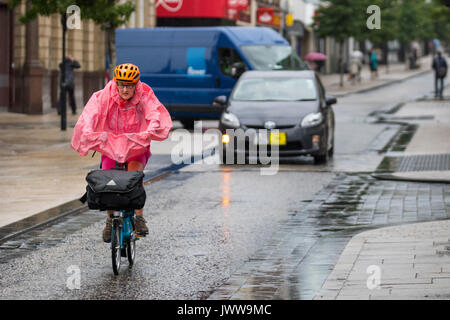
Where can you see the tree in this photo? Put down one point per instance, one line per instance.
(440, 15)
(106, 13)
(340, 19)
(414, 21)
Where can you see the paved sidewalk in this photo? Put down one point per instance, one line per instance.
(427, 156)
(395, 73)
(404, 262)
(412, 261)
(39, 169)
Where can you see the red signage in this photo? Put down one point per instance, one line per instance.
(227, 9)
(235, 6)
(238, 4)
(266, 16)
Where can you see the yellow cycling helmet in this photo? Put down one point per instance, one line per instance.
(127, 72)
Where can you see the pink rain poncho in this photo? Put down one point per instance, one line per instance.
(121, 129)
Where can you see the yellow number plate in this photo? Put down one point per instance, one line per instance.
(277, 138)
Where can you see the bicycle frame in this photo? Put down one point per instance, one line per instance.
(123, 222)
(126, 220)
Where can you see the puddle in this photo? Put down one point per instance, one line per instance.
(400, 142)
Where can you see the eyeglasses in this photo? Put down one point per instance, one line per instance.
(123, 86)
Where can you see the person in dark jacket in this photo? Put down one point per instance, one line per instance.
(70, 64)
(440, 72)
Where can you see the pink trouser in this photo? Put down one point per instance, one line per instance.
(108, 163)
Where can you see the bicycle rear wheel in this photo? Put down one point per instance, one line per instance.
(115, 247)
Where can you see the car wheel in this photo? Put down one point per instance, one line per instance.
(188, 123)
(321, 158)
(331, 152)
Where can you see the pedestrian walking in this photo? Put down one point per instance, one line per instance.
(355, 66)
(373, 63)
(69, 83)
(353, 70)
(440, 72)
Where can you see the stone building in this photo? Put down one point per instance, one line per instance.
(30, 55)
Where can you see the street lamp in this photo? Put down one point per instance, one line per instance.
(62, 100)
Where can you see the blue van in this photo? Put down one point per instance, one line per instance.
(188, 67)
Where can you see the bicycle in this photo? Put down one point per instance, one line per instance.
(123, 234)
(123, 238)
(123, 230)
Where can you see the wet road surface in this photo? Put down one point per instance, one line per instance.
(203, 227)
(295, 262)
(232, 233)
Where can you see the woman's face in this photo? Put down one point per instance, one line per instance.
(126, 90)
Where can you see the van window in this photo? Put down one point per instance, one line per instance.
(228, 57)
(273, 58)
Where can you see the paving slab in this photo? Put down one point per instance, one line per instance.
(421, 277)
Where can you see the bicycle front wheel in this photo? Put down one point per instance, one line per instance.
(131, 251)
(115, 247)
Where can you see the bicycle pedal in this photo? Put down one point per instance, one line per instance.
(141, 235)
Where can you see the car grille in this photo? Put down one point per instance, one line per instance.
(290, 146)
(262, 127)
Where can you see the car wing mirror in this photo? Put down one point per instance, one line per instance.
(220, 101)
(330, 100)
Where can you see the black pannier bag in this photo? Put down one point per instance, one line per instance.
(114, 190)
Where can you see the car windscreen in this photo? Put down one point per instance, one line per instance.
(273, 57)
(275, 89)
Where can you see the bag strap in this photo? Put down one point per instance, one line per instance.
(83, 199)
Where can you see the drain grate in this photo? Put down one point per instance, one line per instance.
(432, 162)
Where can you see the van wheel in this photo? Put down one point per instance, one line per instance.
(188, 123)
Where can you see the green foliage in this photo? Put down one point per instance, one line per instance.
(405, 20)
(340, 19)
(440, 15)
(105, 12)
(414, 21)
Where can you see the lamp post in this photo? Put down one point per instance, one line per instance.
(62, 100)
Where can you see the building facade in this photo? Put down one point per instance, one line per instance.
(300, 34)
(30, 55)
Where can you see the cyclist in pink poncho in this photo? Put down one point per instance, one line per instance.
(120, 121)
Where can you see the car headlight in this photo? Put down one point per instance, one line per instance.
(312, 119)
(230, 120)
